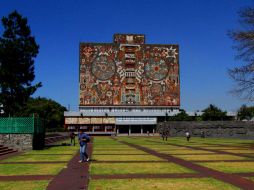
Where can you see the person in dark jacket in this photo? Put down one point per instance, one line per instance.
(83, 140)
(72, 137)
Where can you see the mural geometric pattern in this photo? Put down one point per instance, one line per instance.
(129, 72)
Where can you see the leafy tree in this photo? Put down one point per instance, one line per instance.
(213, 113)
(182, 116)
(47, 109)
(17, 52)
(244, 39)
(245, 112)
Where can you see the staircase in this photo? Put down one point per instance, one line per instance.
(5, 150)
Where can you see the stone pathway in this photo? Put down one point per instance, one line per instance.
(74, 177)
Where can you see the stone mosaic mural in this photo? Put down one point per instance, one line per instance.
(129, 72)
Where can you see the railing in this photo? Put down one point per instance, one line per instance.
(21, 125)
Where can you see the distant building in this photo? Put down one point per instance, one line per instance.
(126, 86)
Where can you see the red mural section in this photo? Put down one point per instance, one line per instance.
(129, 72)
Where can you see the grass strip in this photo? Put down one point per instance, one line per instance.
(23, 185)
(30, 169)
(137, 168)
(227, 167)
(125, 158)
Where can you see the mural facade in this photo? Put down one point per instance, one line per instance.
(129, 72)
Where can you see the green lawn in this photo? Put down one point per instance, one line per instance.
(137, 168)
(125, 158)
(104, 147)
(130, 151)
(54, 153)
(23, 185)
(234, 167)
(39, 158)
(30, 169)
(108, 149)
(211, 157)
(160, 184)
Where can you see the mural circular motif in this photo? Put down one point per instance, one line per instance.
(102, 68)
(156, 70)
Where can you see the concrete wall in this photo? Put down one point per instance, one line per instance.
(232, 129)
(17, 141)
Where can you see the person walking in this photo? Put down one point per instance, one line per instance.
(187, 136)
(202, 134)
(72, 137)
(166, 135)
(83, 140)
(163, 135)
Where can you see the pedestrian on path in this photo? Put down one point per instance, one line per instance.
(165, 135)
(187, 136)
(202, 134)
(83, 140)
(72, 137)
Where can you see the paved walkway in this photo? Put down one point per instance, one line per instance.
(74, 177)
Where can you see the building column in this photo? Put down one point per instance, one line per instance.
(153, 130)
(129, 130)
(105, 128)
(141, 129)
(92, 128)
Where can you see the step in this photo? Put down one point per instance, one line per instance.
(8, 152)
(5, 150)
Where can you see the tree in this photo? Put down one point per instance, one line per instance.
(47, 109)
(244, 39)
(181, 116)
(17, 52)
(245, 112)
(213, 113)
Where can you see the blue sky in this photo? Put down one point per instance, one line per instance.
(199, 27)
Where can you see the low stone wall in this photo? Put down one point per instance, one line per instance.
(232, 129)
(19, 142)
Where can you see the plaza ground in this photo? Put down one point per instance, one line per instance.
(136, 163)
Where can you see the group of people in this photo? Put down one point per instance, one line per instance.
(83, 139)
(165, 135)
